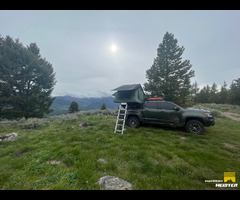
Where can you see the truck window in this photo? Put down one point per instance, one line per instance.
(150, 104)
(166, 105)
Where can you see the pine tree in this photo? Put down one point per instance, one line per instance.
(213, 93)
(203, 95)
(169, 76)
(26, 80)
(234, 92)
(223, 93)
(103, 107)
(194, 90)
(73, 107)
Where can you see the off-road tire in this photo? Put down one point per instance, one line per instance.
(194, 127)
(133, 122)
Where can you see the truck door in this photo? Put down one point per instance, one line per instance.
(150, 111)
(168, 113)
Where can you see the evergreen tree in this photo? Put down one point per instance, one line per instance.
(73, 107)
(103, 107)
(223, 93)
(194, 90)
(213, 94)
(203, 96)
(169, 76)
(26, 80)
(234, 92)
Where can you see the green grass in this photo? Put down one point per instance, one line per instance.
(150, 157)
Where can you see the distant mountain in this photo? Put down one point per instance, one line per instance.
(61, 104)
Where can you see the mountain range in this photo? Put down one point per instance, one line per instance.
(61, 104)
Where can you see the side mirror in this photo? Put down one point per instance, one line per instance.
(176, 108)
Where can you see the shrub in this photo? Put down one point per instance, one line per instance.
(33, 123)
(216, 113)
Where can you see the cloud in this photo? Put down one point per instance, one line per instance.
(77, 43)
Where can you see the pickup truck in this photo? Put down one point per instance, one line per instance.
(167, 113)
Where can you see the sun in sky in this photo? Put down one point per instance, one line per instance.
(114, 48)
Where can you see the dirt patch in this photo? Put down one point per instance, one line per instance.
(233, 116)
(21, 153)
(229, 145)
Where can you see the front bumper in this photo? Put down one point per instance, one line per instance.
(209, 122)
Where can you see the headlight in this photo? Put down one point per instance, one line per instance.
(208, 114)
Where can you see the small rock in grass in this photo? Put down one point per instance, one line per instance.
(9, 137)
(113, 183)
(84, 124)
(55, 162)
(102, 160)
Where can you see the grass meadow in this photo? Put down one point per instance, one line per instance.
(57, 154)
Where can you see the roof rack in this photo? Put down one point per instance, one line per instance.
(155, 99)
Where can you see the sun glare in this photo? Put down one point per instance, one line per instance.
(113, 48)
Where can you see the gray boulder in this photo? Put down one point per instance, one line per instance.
(9, 137)
(113, 183)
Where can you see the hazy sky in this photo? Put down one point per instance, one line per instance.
(78, 44)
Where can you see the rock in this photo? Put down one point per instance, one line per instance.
(3, 137)
(181, 137)
(102, 160)
(84, 124)
(12, 136)
(55, 162)
(113, 183)
(9, 137)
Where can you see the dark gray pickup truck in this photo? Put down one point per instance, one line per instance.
(167, 113)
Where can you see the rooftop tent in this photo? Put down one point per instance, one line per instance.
(129, 94)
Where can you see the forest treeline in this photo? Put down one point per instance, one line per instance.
(213, 94)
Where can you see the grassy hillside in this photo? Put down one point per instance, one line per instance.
(56, 153)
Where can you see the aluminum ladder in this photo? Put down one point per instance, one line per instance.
(121, 117)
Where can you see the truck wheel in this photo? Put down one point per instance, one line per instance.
(195, 127)
(133, 122)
